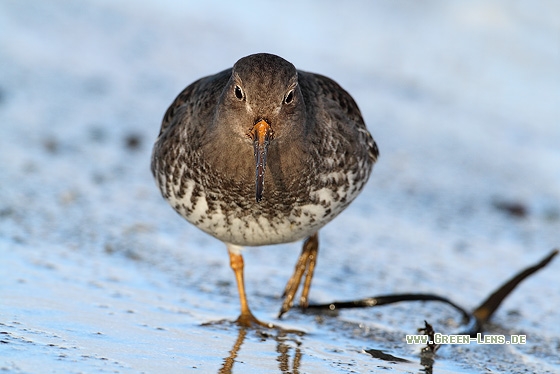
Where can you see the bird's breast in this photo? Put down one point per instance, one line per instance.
(289, 210)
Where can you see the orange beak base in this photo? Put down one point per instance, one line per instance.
(261, 134)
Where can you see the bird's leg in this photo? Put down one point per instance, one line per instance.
(236, 262)
(305, 265)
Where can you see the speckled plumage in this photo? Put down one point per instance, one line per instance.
(316, 166)
(300, 130)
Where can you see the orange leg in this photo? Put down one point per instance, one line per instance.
(305, 265)
(236, 262)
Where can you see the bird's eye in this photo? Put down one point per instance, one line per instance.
(238, 92)
(289, 97)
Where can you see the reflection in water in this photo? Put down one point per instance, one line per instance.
(228, 361)
(480, 316)
(290, 354)
(427, 361)
(284, 358)
(284, 350)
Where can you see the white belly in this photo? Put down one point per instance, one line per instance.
(251, 227)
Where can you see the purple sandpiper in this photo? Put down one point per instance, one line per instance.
(262, 154)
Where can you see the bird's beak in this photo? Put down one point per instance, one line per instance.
(261, 134)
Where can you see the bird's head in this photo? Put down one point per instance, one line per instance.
(264, 104)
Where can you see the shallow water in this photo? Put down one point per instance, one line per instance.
(99, 274)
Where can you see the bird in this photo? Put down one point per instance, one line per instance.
(260, 154)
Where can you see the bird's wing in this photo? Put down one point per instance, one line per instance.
(330, 91)
(194, 97)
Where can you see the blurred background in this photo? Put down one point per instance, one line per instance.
(463, 99)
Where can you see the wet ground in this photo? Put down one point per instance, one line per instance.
(99, 274)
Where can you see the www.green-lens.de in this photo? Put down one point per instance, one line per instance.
(466, 339)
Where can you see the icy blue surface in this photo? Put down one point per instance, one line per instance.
(98, 274)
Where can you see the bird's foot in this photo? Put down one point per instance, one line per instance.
(247, 319)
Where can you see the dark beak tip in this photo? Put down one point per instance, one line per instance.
(262, 134)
